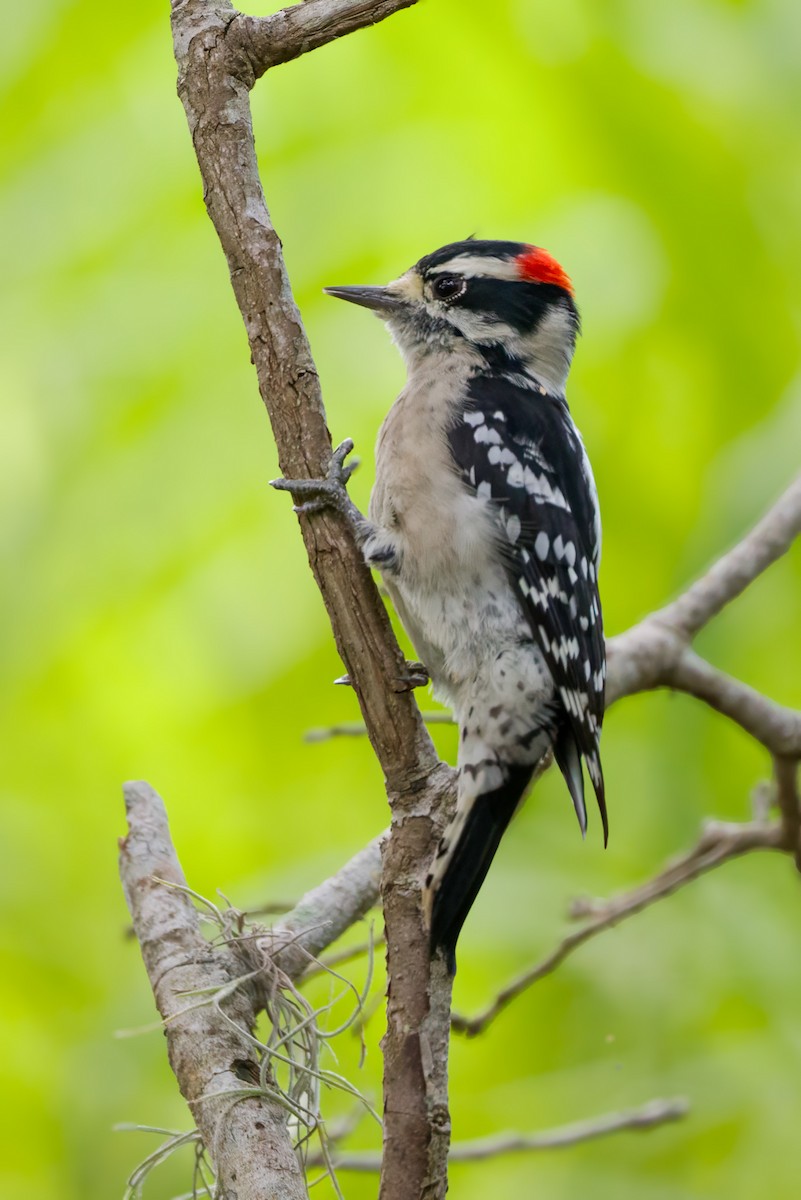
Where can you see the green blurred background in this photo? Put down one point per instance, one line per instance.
(158, 618)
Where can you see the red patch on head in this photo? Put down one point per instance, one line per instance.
(536, 265)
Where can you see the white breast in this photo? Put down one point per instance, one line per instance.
(450, 589)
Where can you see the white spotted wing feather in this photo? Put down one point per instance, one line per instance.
(518, 447)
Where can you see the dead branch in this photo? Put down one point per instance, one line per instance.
(324, 913)
(649, 1116)
(246, 1134)
(719, 843)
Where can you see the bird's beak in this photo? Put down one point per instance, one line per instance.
(381, 300)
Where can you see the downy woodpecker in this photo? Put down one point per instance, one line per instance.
(484, 524)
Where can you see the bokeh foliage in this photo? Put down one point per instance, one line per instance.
(158, 619)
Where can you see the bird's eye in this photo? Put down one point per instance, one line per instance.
(448, 287)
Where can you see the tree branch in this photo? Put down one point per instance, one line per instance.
(719, 842)
(246, 1135)
(657, 653)
(324, 913)
(219, 54)
(213, 83)
(776, 727)
(656, 1112)
(730, 575)
(285, 35)
(647, 655)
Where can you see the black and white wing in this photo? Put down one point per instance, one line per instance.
(517, 446)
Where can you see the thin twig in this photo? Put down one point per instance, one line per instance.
(359, 729)
(656, 1112)
(717, 844)
(345, 956)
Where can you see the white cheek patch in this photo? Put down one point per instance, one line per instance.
(477, 327)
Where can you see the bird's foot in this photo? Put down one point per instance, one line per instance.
(317, 495)
(414, 676)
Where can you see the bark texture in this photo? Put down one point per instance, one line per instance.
(209, 1051)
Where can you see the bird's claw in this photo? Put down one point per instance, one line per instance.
(331, 492)
(414, 676)
(338, 469)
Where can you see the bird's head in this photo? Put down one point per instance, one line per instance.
(508, 302)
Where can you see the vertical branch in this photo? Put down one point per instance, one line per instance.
(415, 1045)
(220, 54)
(214, 49)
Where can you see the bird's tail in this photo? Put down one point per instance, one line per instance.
(568, 756)
(464, 857)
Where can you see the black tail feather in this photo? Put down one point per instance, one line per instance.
(478, 841)
(568, 758)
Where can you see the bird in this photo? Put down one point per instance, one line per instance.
(484, 525)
